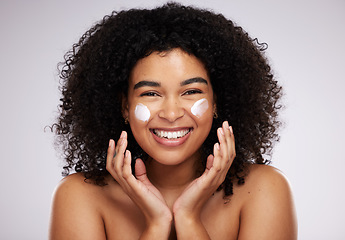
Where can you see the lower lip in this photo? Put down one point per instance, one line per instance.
(171, 142)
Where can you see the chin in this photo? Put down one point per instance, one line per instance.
(173, 158)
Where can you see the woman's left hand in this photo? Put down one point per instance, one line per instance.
(188, 206)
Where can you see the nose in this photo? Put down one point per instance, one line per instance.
(171, 110)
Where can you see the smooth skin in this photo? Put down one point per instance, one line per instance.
(186, 211)
(165, 199)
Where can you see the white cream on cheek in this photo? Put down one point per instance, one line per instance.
(142, 113)
(199, 107)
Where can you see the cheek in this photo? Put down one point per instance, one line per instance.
(200, 107)
(142, 113)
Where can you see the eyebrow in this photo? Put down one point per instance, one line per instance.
(194, 80)
(147, 84)
(157, 84)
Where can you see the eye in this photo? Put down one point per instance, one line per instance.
(149, 94)
(192, 91)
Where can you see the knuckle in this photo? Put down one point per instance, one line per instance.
(109, 165)
(232, 155)
(227, 161)
(126, 176)
(217, 168)
(109, 159)
(117, 170)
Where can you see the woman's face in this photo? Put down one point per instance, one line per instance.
(170, 105)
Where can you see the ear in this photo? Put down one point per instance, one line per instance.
(124, 109)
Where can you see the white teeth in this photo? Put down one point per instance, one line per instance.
(171, 135)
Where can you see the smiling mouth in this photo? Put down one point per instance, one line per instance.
(171, 134)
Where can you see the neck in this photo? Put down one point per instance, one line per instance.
(173, 177)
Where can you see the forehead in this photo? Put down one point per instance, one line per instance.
(167, 67)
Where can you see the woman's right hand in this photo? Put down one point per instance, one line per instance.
(139, 188)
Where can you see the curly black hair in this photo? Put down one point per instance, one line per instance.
(95, 73)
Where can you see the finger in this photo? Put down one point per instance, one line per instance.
(213, 168)
(127, 168)
(119, 158)
(140, 172)
(224, 149)
(217, 157)
(121, 139)
(221, 153)
(124, 175)
(221, 137)
(140, 168)
(228, 136)
(230, 140)
(141, 181)
(227, 143)
(141, 175)
(209, 162)
(112, 149)
(232, 144)
(110, 154)
(227, 132)
(230, 154)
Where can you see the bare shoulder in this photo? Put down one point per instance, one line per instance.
(268, 210)
(75, 184)
(74, 188)
(75, 209)
(263, 177)
(267, 186)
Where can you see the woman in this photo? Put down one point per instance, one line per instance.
(167, 82)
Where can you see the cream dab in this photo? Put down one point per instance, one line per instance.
(199, 107)
(142, 113)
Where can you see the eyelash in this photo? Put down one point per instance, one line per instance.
(154, 94)
(149, 94)
(192, 91)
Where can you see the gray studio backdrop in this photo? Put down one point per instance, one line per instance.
(306, 48)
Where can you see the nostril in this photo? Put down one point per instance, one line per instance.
(172, 111)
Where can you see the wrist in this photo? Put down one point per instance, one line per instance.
(187, 215)
(157, 230)
(190, 227)
(186, 219)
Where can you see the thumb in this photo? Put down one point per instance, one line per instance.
(209, 162)
(140, 170)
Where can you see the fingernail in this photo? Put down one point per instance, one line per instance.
(226, 124)
(122, 139)
(231, 130)
(217, 146)
(221, 131)
(110, 143)
(122, 133)
(126, 153)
